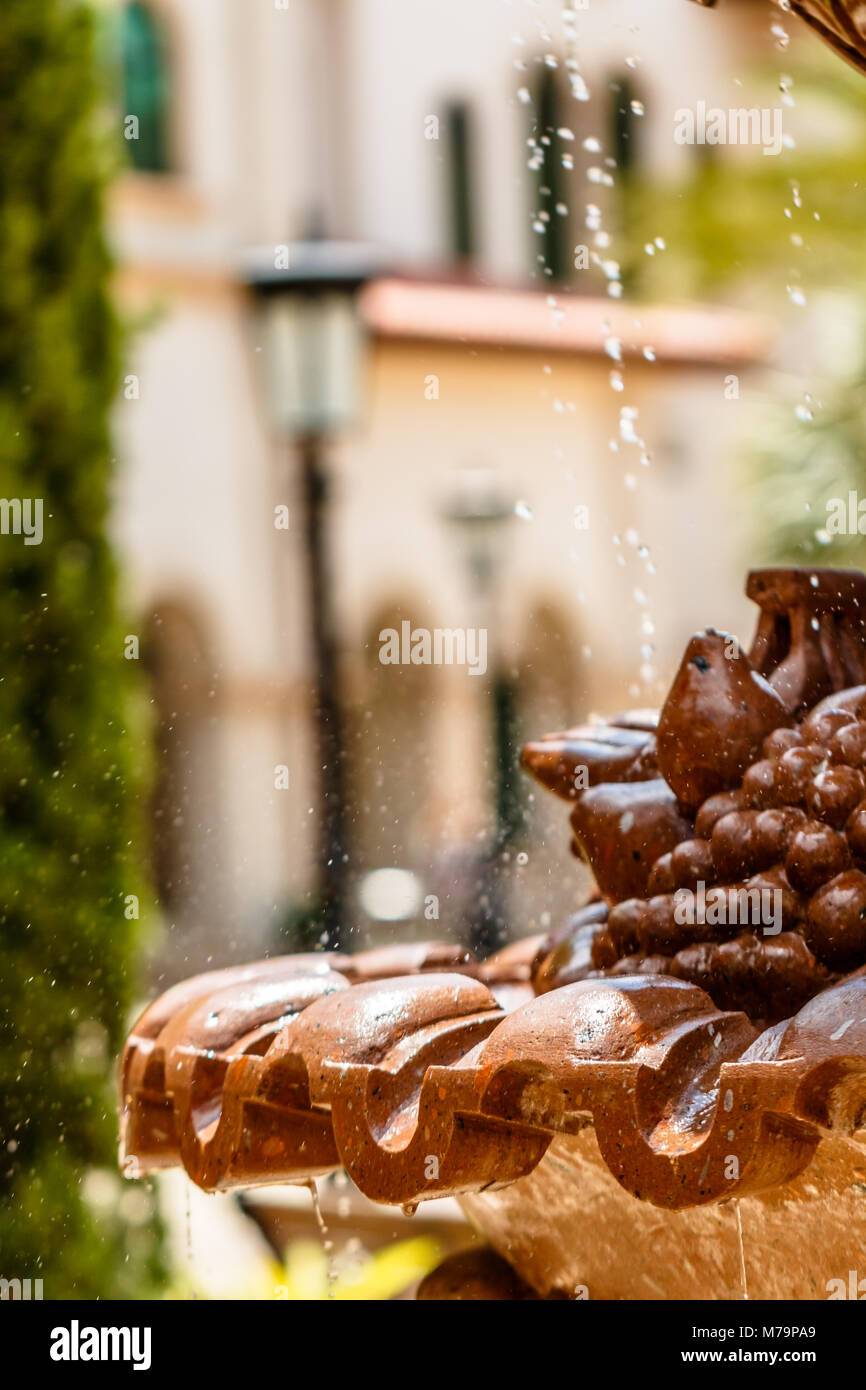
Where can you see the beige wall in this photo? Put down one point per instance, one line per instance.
(501, 410)
(321, 106)
(194, 522)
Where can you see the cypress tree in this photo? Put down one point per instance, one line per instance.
(68, 793)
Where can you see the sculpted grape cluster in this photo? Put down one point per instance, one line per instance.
(728, 836)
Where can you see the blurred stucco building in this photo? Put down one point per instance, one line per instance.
(456, 138)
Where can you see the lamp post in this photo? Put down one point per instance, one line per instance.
(479, 512)
(313, 347)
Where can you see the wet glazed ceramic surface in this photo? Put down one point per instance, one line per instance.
(660, 1075)
(750, 794)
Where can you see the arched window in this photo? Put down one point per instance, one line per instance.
(187, 851)
(145, 86)
(552, 695)
(392, 735)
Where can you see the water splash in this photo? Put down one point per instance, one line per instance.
(743, 1275)
(188, 1240)
(327, 1243)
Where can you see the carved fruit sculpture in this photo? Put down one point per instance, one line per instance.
(741, 867)
(709, 1038)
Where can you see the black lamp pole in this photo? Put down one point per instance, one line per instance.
(332, 858)
(313, 358)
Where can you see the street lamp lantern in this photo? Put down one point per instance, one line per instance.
(313, 352)
(479, 511)
(313, 338)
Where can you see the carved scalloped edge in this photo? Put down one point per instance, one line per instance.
(421, 1085)
(173, 1064)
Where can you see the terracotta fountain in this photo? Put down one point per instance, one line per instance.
(665, 1098)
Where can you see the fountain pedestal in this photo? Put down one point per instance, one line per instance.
(569, 1228)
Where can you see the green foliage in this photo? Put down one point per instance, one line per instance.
(799, 468)
(67, 782)
(748, 227)
(745, 222)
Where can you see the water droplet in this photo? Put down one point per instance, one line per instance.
(627, 418)
(523, 510)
